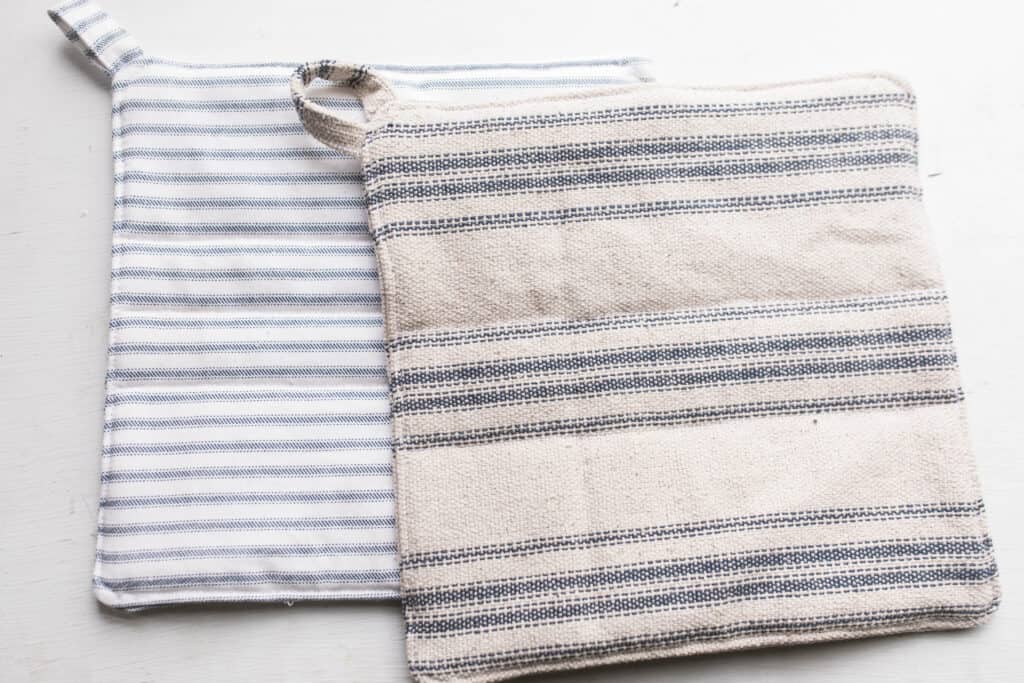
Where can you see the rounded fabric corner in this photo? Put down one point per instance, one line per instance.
(902, 84)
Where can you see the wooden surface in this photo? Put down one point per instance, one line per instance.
(964, 60)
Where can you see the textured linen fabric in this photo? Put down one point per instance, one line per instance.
(246, 448)
(671, 372)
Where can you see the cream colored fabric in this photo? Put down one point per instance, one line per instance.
(671, 372)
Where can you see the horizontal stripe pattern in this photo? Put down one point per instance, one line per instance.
(671, 372)
(648, 573)
(647, 113)
(685, 147)
(247, 433)
(646, 210)
(683, 641)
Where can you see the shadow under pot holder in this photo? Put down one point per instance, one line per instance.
(671, 373)
(246, 448)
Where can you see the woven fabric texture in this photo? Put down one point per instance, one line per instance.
(671, 372)
(246, 452)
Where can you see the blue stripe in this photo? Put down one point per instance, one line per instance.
(246, 446)
(246, 347)
(90, 20)
(243, 228)
(244, 551)
(234, 105)
(267, 299)
(287, 67)
(644, 113)
(588, 425)
(249, 498)
(694, 529)
(248, 579)
(263, 274)
(660, 319)
(208, 154)
(250, 80)
(669, 207)
(645, 573)
(241, 250)
(472, 186)
(192, 526)
(261, 372)
(687, 147)
(99, 45)
(343, 320)
(164, 397)
(228, 130)
(248, 472)
(730, 593)
(128, 56)
(659, 354)
(667, 380)
(193, 203)
(339, 178)
(248, 420)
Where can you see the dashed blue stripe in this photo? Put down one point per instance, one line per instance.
(687, 147)
(727, 593)
(484, 335)
(670, 207)
(588, 425)
(648, 573)
(694, 529)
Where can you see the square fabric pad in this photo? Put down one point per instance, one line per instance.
(671, 373)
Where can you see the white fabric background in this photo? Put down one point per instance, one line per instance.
(964, 60)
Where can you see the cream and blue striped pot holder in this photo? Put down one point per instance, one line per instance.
(246, 452)
(671, 373)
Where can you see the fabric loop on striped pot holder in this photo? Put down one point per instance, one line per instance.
(96, 34)
(343, 135)
(247, 429)
(671, 372)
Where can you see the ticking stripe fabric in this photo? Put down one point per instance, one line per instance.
(671, 372)
(247, 451)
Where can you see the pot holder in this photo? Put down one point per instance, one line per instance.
(671, 373)
(246, 449)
